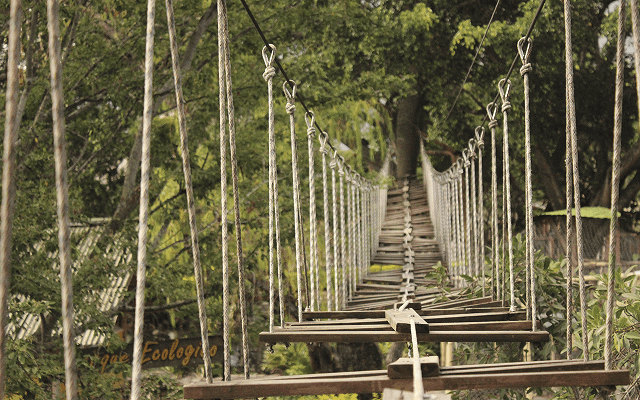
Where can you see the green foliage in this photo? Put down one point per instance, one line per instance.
(288, 360)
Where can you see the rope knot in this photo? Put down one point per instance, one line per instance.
(269, 71)
(310, 119)
(493, 123)
(290, 95)
(525, 69)
(480, 136)
(504, 86)
(324, 149)
(492, 108)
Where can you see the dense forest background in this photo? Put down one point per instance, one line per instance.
(379, 75)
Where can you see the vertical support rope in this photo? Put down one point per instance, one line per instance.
(615, 187)
(324, 150)
(310, 118)
(62, 195)
(143, 224)
(186, 167)
(291, 108)
(506, 105)
(474, 209)
(269, 73)
(226, 369)
(343, 234)
(467, 199)
(336, 225)
(492, 108)
(569, 99)
(530, 279)
(11, 125)
(461, 234)
(635, 24)
(236, 195)
(480, 222)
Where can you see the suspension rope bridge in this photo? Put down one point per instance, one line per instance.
(416, 225)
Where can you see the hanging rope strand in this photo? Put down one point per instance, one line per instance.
(615, 187)
(62, 195)
(226, 372)
(269, 73)
(570, 110)
(336, 225)
(467, 200)
(480, 221)
(186, 167)
(324, 150)
(143, 224)
(506, 105)
(11, 124)
(313, 247)
(343, 233)
(222, 11)
(474, 210)
(530, 279)
(291, 108)
(492, 108)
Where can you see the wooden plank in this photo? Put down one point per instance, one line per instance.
(381, 336)
(530, 366)
(376, 383)
(400, 321)
(403, 367)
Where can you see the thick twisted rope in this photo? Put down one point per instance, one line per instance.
(479, 133)
(269, 73)
(324, 150)
(291, 108)
(492, 108)
(635, 24)
(418, 388)
(474, 210)
(568, 59)
(191, 208)
(506, 105)
(11, 124)
(226, 371)
(313, 235)
(615, 188)
(336, 226)
(236, 195)
(143, 224)
(62, 195)
(461, 223)
(352, 241)
(343, 233)
(359, 230)
(467, 200)
(530, 279)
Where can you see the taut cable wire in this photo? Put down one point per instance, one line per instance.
(143, 224)
(62, 195)
(11, 124)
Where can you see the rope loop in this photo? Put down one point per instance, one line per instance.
(472, 149)
(492, 108)
(269, 71)
(333, 164)
(505, 88)
(310, 119)
(290, 95)
(465, 157)
(480, 137)
(524, 56)
(323, 138)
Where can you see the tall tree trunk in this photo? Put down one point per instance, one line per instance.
(407, 135)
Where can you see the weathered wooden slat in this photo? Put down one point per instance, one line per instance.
(403, 367)
(400, 321)
(381, 336)
(340, 383)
